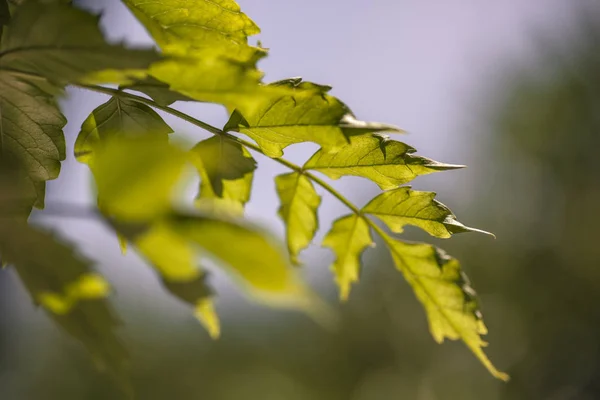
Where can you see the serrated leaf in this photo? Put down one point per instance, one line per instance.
(63, 44)
(182, 26)
(298, 210)
(136, 177)
(118, 117)
(445, 292)
(303, 113)
(386, 162)
(159, 91)
(66, 286)
(31, 131)
(226, 172)
(348, 238)
(403, 206)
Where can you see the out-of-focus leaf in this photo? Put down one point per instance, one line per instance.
(66, 286)
(63, 44)
(388, 163)
(118, 117)
(159, 91)
(445, 292)
(31, 131)
(226, 172)
(303, 113)
(298, 210)
(136, 177)
(4, 15)
(348, 238)
(403, 206)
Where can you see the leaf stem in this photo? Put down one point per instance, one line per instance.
(216, 131)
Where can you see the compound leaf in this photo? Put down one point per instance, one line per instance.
(304, 112)
(298, 210)
(403, 206)
(348, 238)
(118, 117)
(386, 162)
(445, 292)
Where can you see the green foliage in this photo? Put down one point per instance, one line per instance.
(139, 173)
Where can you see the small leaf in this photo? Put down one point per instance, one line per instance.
(136, 177)
(446, 294)
(66, 286)
(118, 117)
(303, 113)
(348, 238)
(388, 163)
(298, 210)
(223, 160)
(403, 206)
(63, 44)
(160, 92)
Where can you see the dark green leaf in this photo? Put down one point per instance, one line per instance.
(63, 44)
(66, 286)
(388, 163)
(160, 92)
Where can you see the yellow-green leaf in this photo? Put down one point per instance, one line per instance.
(444, 290)
(386, 162)
(136, 177)
(348, 238)
(304, 112)
(118, 117)
(298, 210)
(403, 206)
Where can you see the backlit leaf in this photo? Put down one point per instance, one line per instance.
(348, 238)
(118, 117)
(403, 206)
(303, 113)
(298, 210)
(226, 172)
(136, 177)
(445, 292)
(388, 163)
(160, 92)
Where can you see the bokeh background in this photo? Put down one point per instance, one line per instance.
(510, 88)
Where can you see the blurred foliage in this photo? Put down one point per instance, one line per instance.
(539, 284)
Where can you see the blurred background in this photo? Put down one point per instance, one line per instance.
(510, 88)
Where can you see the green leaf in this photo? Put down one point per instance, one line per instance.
(31, 131)
(298, 210)
(226, 171)
(403, 206)
(136, 177)
(63, 44)
(445, 292)
(182, 26)
(4, 16)
(118, 117)
(304, 112)
(159, 91)
(386, 162)
(348, 238)
(68, 289)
